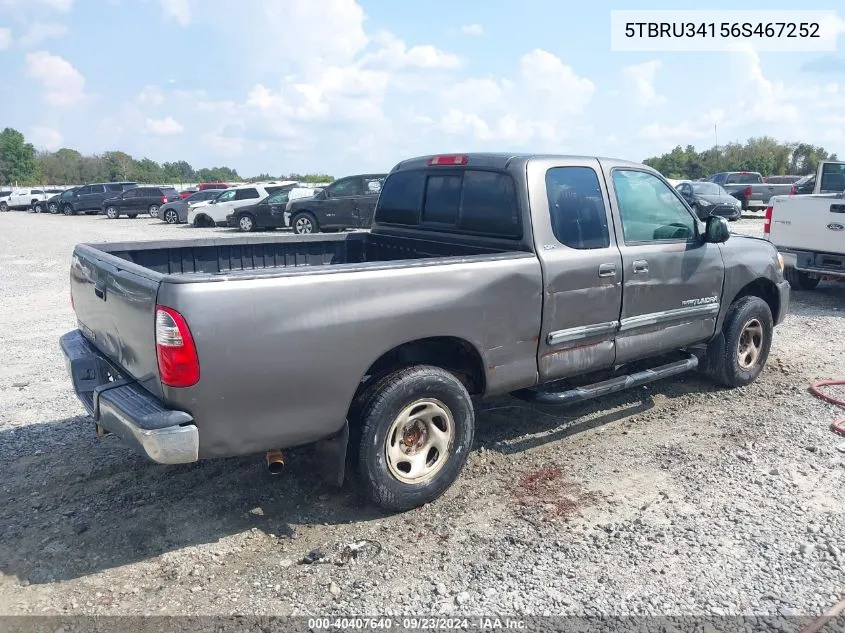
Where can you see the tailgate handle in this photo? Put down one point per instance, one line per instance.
(837, 208)
(100, 291)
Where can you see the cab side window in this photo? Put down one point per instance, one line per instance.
(576, 205)
(650, 210)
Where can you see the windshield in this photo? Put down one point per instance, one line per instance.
(707, 189)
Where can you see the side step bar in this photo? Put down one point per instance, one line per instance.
(606, 387)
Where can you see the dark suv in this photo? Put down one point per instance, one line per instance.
(90, 198)
(347, 203)
(139, 200)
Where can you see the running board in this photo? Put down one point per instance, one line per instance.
(596, 390)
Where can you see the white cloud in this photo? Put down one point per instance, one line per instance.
(472, 29)
(394, 54)
(639, 81)
(150, 95)
(178, 10)
(58, 5)
(38, 32)
(46, 137)
(167, 126)
(63, 84)
(5, 38)
(225, 141)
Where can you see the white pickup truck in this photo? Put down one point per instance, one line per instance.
(809, 230)
(23, 199)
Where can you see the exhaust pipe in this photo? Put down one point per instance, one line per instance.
(275, 461)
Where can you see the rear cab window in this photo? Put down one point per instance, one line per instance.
(833, 178)
(472, 201)
(744, 178)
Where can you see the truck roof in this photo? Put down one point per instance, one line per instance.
(502, 160)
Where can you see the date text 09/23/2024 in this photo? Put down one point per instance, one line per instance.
(417, 623)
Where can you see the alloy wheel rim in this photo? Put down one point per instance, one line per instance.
(419, 441)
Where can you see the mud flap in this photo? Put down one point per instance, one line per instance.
(331, 456)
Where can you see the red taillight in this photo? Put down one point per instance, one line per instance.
(164, 199)
(178, 364)
(448, 160)
(767, 223)
(748, 192)
(792, 191)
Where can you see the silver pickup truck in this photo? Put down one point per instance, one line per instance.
(554, 278)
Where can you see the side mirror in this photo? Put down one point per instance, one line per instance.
(716, 230)
(321, 195)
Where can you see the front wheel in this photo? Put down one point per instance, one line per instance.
(4, 207)
(304, 224)
(67, 210)
(171, 217)
(37, 208)
(736, 357)
(53, 208)
(800, 280)
(413, 431)
(153, 210)
(112, 213)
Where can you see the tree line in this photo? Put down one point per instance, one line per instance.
(21, 164)
(764, 154)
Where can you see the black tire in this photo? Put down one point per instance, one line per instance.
(301, 221)
(68, 210)
(723, 360)
(4, 207)
(53, 208)
(247, 223)
(37, 207)
(171, 216)
(799, 280)
(153, 210)
(375, 414)
(112, 213)
(203, 221)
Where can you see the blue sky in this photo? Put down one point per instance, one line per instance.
(342, 86)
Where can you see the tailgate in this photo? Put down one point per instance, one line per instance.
(811, 223)
(115, 309)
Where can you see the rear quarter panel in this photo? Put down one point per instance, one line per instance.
(281, 358)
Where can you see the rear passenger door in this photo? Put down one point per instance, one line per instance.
(366, 205)
(672, 278)
(582, 267)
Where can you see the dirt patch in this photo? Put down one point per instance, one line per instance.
(548, 491)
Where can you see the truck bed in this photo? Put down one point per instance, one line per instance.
(254, 254)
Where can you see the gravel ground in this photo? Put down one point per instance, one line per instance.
(679, 498)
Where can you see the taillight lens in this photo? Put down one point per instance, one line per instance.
(164, 199)
(767, 223)
(792, 190)
(748, 192)
(178, 364)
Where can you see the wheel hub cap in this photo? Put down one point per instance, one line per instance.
(750, 344)
(419, 441)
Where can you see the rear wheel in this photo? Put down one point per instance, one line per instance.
(246, 223)
(67, 210)
(112, 213)
(413, 431)
(38, 207)
(304, 224)
(153, 210)
(4, 207)
(171, 217)
(799, 280)
(53, 208)
(737, 356)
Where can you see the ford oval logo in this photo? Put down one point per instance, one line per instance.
(833, 226)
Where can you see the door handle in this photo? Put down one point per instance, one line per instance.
(640, 266)
(607, 270)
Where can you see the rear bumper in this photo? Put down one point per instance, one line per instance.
(122, 407)
(819, 264)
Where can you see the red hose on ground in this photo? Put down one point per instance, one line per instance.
(836, 425)
(818, 624)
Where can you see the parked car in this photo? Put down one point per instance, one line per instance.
(483, 274)
(177, 212)
(212, 185)
(22, 198)
(215, 212)
(809, 230)
(708, 198)
(187, 193)
(748, 187)
(347, 203)
(781, 180)
(139, 200)
(90, 198)
(270, 213)
(4, 199)
(40, 206)
(832, 170)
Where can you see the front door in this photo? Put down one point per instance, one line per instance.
(582, 268)
(672, 277)
(366, 205)
(129, 201)
(340, 206)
